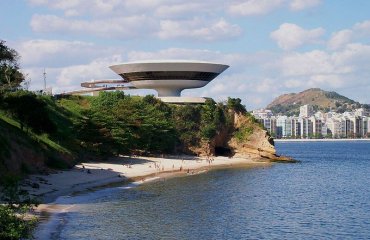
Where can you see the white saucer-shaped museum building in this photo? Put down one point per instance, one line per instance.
(169, 78)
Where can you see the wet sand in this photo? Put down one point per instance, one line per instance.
(88, 175)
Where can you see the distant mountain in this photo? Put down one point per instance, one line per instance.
(288, 104)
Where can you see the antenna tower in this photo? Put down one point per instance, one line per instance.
(44, 80)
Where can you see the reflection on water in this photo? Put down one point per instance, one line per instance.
(325, 196)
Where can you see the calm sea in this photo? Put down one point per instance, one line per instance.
(325, 196)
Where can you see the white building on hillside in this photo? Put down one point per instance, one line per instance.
(262, 113)
(306, 111)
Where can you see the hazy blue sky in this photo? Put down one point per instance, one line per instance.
(272, 46)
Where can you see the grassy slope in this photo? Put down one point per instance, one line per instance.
(24, 151)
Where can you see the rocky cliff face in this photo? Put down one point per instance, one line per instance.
(257, 144)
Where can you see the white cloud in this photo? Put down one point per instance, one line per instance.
(254, 7)
(339, 70)
(58, 53)
(69, 78)
(297, 5)
(330, 80)
(176, 53)
(340, 39)
(265, 86)
(363, 26)
(182, 10)
(325, 81)
(310, 63)
(135, 26)
(354, 56)
(218, 88)
(97, 69)
(119, 27)
(293, 83)
(171, 8)
(81, 7)
(166, 19)
(261, 7)
(290, 36)
(114, 8)
(197, 29)
(38, 2)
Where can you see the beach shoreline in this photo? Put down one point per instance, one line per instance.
(90, 176)
(125, 169)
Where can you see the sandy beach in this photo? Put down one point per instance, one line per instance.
(125, 169)
(85, 176)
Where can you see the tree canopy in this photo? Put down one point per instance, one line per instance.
(10, 76)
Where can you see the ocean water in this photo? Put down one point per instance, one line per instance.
(325, 196)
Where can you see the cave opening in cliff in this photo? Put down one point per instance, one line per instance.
(223, 151)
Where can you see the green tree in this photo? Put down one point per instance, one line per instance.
(30, 110)
(236, 105)
(212, 119)
(10, 76)
(208, 127)
(186, 119)
(132, 123)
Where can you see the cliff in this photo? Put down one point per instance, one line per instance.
(257, 142)
(246, 138)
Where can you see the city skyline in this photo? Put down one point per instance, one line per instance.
(319, 124)
(273, 47)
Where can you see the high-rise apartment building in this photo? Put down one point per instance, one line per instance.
(306, 111)
(355, 124)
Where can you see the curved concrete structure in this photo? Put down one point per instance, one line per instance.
(95, 87)
(168, 78)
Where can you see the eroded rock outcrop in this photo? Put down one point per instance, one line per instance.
(247, 138)
(258, 142)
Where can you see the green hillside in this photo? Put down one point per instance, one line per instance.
(288, 104)
(41, 132)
